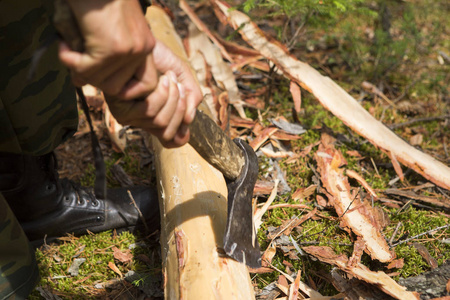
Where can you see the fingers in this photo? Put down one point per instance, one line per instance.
(143, 82)
(161, 113)
(166, 60)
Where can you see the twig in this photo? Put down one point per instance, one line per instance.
(410, 122)
(139, 211)
(260, 212)
(303, 287)
(445, 147)
(405, 91)
(357, 177)
(395, 233)
(318, 242)
(420, 234)
(375, 166)
(348, 207)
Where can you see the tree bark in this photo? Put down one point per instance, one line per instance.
(193, 204)
(431, 284)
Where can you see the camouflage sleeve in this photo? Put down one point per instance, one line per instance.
(38, 114)
(18, 269)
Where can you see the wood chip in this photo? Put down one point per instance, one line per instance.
(355, 215)
(378, 279)
(396, 264)
(296, 93)
(262, 137)
(115, 131)
(294, 288)
(221, 71)
(201, 26)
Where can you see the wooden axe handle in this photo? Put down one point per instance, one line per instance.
(207, 138)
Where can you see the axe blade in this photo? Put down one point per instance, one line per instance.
(240, 240)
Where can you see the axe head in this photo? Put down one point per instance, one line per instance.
(240, 240)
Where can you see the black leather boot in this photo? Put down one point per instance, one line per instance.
(49, 207)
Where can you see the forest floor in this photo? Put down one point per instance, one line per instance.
(394, 62)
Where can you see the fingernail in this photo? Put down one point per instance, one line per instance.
(181, 90)
(172, 76)
(165, 81)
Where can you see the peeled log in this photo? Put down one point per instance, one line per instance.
(193, 204)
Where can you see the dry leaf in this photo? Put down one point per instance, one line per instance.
(354, 153)
(236, 49)
(113, 267)
(203, 73)
(276, 154)
(283, 281)
(284, 136)
(296, 95)
(303, 193)
(124, 257)
(396, 165)
(396, 264)
(257, 217)
(423, 251)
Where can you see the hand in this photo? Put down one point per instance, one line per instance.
(118, 59)
(118, 42)
(166, 112)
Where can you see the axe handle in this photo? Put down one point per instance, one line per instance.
(207, 138)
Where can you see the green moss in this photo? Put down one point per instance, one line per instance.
(55, 260)
(414, 222)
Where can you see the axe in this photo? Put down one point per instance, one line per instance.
(234, 158)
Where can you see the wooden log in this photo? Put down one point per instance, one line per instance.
(193, 204)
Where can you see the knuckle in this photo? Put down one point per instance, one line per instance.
(161, 122)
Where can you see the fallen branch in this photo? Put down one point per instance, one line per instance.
(337, 100)
(417, 120)
(420, 234)
(444, 204)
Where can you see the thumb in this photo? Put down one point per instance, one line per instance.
(71, 59)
